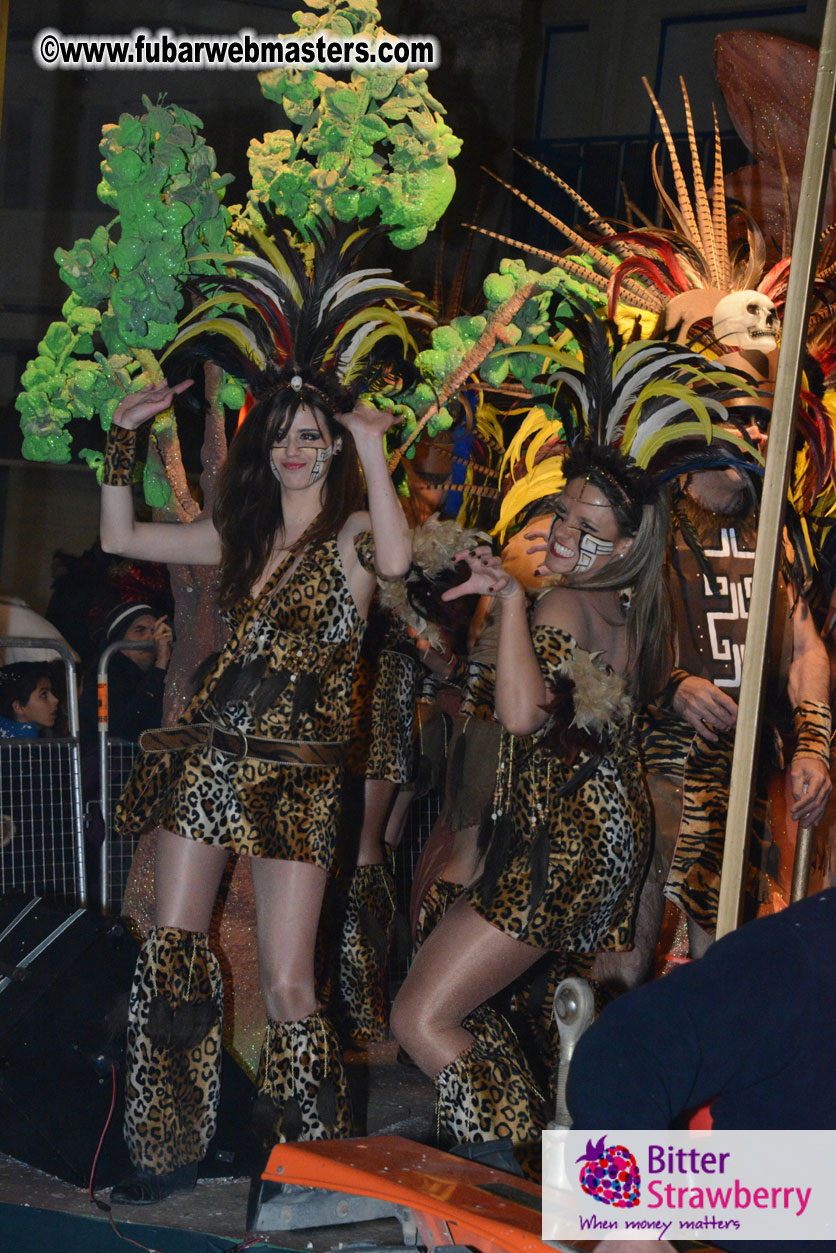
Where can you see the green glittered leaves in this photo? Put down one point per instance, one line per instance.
(372, 142)
(159, 176)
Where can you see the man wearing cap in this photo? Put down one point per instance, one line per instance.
(136, 677)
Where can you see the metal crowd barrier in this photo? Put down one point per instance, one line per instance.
(41, 815)
(116, 757)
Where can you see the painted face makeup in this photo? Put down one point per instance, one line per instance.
(591, 547)
(583, 512)
(322, 456)
(303, 452)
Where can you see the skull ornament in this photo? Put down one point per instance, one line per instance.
(746, 319)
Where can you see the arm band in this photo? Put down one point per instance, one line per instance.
(120, 453)
(811, 720)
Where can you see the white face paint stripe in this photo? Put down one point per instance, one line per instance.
(322, 455)
(591, 547)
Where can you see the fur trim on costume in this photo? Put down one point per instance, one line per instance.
(433, 570)
(599, 694)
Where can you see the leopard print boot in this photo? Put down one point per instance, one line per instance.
(174, 1051)
(488, 1092)
(438, 898)
(364, 953)
(302, 1088)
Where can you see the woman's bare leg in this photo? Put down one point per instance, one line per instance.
(187, 876)
(464, 961)
(625, 971)
(397, 814)
(465, 859)
(301, 1051)
(288, 901)
(368, 923)
(378, 795)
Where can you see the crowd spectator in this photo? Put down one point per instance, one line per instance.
(136, 677)
(28, 705)
(32, 788)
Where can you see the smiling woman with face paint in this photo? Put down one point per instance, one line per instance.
(571, 824)
(254, 768)
(570, 829)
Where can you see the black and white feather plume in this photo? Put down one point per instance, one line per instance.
(275, 319)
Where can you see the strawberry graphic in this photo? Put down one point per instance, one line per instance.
(610, 1174)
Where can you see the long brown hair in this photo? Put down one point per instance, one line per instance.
(248, 513)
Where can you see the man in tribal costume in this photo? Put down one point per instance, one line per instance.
(688, 739)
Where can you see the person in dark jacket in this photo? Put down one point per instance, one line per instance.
(749, 1028)
(136, 678)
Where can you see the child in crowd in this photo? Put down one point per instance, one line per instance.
(28, 705)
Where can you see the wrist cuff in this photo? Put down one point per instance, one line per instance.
(119, 457)
(665, 697)
(811, 721)
(458, 672)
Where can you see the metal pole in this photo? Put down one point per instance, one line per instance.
(781, 436)
(117, 646)
(802, 864)
(62, 649)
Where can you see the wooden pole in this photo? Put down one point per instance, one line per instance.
(781, 437)
(802, 863)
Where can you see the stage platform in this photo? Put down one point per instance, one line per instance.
(41, 1214)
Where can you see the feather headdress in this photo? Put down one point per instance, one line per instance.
(646, 268)
(656, 407)
(274, 321)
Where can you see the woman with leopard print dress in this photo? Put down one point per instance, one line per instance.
(571, 820)
(253, 767)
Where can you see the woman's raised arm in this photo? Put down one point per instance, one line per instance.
(389, 527)
(120, 533)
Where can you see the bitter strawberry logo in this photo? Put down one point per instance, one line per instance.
(610, 1174)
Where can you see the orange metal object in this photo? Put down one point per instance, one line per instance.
(452, 1200)
(101, 691)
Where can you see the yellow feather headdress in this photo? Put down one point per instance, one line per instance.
(657, 405)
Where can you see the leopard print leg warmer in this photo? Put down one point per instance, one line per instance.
(174, 1051)
(303, 1093)
(488, 1092)
(364, 952)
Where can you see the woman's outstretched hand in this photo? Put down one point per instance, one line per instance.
(366, 420)
(487, 576)
(137, 407)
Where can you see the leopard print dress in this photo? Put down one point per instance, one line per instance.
(309, 632)
(385, 701)
(576, 890)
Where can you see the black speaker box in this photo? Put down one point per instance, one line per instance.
(64, 982)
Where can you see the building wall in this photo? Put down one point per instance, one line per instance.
(46, 507)
(595, 53)
(522, 72)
